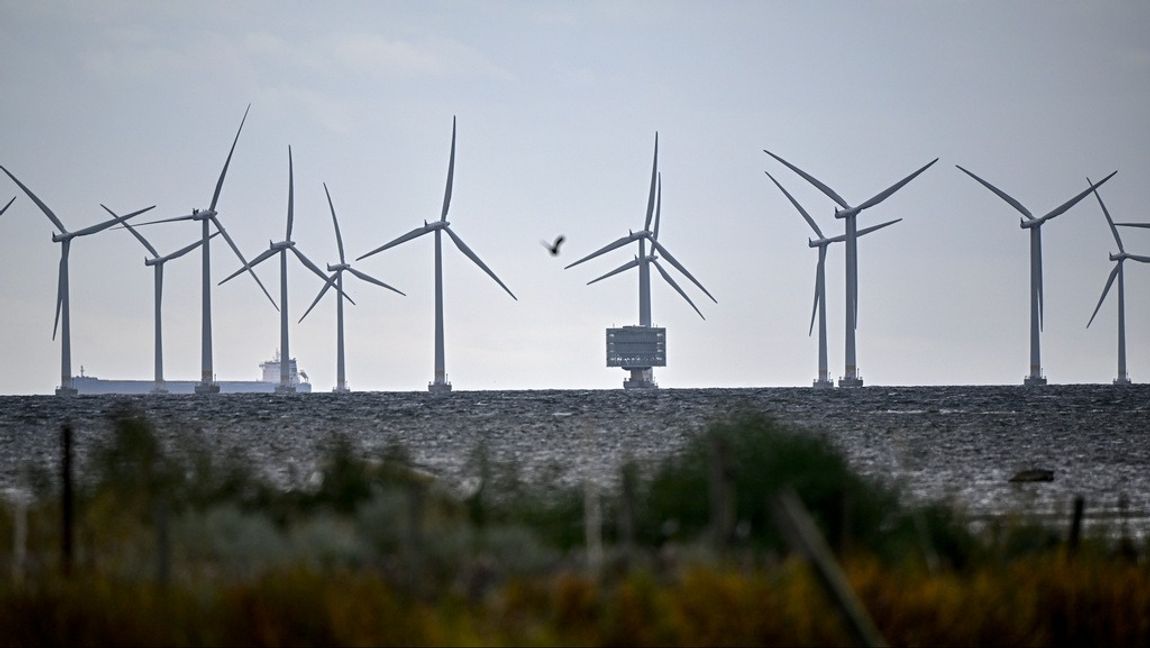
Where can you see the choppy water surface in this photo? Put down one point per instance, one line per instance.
(960, 442)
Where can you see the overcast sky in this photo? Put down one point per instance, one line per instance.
(136, 103)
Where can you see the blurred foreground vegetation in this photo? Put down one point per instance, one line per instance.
(174, 544)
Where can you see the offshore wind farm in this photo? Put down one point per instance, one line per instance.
(637, 348)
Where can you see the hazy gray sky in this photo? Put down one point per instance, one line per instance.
(135, 103)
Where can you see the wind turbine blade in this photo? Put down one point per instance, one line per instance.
(1142, 225)
(322, 291)
(370, 279)
(811, 179)
(224, 171)
(338, 236)
(139, 237)
(658, 205)
(99, 227)
(291, 195)
(607, 248)
(1073, 201)
(1106, 213)
(818, 282)
(165, 220)
(679, 266)
(1139, 257)
(622, 268)
(1000, 193)
(247, 267)
(7, 206)
(668, 279)
(886, 193)
(39, 203)
(415, 233)
(308, 263)
(1109, 282)
(239, 255)
(60, 285)
(875, 228)
(471, 255)
(651, 194)
(184, 250)
(450, 174)
(805, 215)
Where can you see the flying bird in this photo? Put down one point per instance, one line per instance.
(553, 248)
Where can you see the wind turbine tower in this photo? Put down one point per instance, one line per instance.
(439, 383)
(851, 376)
(63, 320)
(820, 305)
(282, 248)
(1118, 271)
(1029, 222)
(337, 280)
(638, 349)
(156, 262)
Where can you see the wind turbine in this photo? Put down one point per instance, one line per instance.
(1118, 259)
(851, 377)
(209, 218)
(63, 319)
(282, 249)
(642, 376)
(820, 305)
(1034, 224)
(337, 279)
(157, 264)
(439, 384)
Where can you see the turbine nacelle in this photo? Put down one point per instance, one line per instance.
(282, 245)
(1121, 256)
(1030, 224)
(203, 214)
(338, 267)
(846, 213)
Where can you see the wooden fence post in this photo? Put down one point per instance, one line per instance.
(1076, 525)
(67, 523)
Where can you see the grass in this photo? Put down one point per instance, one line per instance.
(176, 545)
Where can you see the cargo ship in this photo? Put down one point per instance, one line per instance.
(270, 379)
